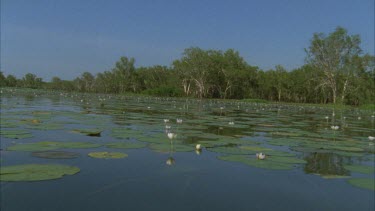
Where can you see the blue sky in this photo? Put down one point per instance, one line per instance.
(68, 37)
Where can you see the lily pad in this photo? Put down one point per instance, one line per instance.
(252, 161)
(108, 155)
(125, 133)
(126, 145)
(88, 132)
(15, 134)
(285, 159)
(39, 146)
(168, 148)
(366, 183)
(333, 176)
(35, 172)
(45, 126)
(55, 154)
(51, 145)
(360, 169)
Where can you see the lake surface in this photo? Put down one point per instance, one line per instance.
(309, 164)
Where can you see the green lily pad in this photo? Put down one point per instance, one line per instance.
(255, 148)
(15, 134)
(39, 146)
(285, 159)
(165, 148)
(35, 172)
(55, 154)
(7, 124)
(252, 161)
(77, 145)
(126, 145)
(332, 176)
(108, 155)
(360, 169)
(366, 183)
(51, 145)
(125, 133)
(231, 150)
(88, 132)
(45, 126)
(31, 121)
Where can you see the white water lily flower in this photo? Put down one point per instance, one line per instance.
(335, 127)
(171, 135)
(371, 138)
(167, 127)
(166, 120)
(198, 147)
(231, 123)
(170, 161)
(260, 156)
(179, 121)
(326, 117)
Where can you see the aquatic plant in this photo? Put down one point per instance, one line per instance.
(35, 172)
(107, 155)
(55, 154)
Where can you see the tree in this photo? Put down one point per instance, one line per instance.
(124, 72)
(56, 83)
(333, 55)
(193, 68)
(11, 81)
(31, 81)
(2, 79)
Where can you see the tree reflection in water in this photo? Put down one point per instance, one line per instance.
(325, 164)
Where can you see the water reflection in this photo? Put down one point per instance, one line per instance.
(325, 164)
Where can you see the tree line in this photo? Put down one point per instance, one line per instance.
(335, 70)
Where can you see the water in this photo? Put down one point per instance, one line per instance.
(143, 180)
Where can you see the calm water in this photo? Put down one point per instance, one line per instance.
(196, 181)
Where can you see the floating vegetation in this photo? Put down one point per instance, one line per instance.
(108, 155)
(50, 145)
(360, 169)
(252, 161)
(35, 172)
(15, 134)
(333, 176)
(88, 132)
(126, 133)
(126, 145)
(55, 154)
(165, 148)
(45, 126)
(366, 183)
(31, 121)
(5, 123)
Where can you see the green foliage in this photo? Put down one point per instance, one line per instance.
(31, 81)
(164, 92)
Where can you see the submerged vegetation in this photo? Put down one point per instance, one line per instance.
(336, 71)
